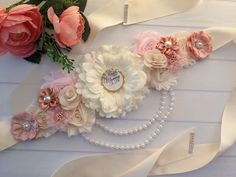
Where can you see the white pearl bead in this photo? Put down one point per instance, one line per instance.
(168, 43)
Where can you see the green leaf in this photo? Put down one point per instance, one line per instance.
(35, 2)
(87, 29)
(82, 5)
(57, 5)
(35, 58)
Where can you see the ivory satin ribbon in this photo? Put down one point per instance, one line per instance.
(129, 12)
(172, 158)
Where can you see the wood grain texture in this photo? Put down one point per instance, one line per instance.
(201, 94)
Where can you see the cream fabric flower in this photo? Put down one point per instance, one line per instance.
(81, 120)
(155, 59)
(68, 98)
(111, 81)
(161, 79)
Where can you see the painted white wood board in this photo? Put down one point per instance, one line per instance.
(201, 94)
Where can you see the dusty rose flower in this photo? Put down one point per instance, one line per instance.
(24, 126)
(155, 59)
(69, 27)
(48, 99)
(20, 29)
(145, 41)
(199, 45)
(168, 46)
(68, 98)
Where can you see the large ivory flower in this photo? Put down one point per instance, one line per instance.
(111, 81)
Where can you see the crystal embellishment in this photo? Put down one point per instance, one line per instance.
(112, 80)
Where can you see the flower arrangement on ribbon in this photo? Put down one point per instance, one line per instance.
(109, 82)
(163, 56)
(31, 28)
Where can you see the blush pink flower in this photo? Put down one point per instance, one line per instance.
(199, 45)
(24, 126)
(145, 41)
(59, 80)
(59, 118)
(69, 27)
(20, 28)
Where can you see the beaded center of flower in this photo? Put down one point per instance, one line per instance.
(112, 80)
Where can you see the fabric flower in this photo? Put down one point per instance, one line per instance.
(48, 99)
(69, 27)
(20, 28)
(199, 45)
(81, 120)
(59, 80)
(68, 98)
(181, 38)
(44, 124)
(24, 126)
(169, 46)
(145, 41)
(155, 59)
(111, 81)
(59, 118)
(161, 79)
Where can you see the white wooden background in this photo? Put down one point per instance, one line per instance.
(201, 94)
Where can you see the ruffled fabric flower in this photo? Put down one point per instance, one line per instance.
(59, 80)
(145, 41)
(111, 81)
(199, 45)
(44, 124)
(181, 38)
(59, 118)
(161, 79)
(24, 126)
(68, 98)
(69, 27)
(81, 120)
(155, 59)
(48, 99)
(169, 46)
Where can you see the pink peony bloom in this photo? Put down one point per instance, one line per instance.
(199, 45)
(24, 126)
(145, 41)
(69, 27)
(20, 28)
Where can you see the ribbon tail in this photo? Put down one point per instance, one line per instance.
(140, 11)
(128, 12)
(6, 138)
(125, 164)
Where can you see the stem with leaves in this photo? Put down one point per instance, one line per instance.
(53, 50)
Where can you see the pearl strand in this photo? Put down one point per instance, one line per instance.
(144, 126)
(143, 144)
